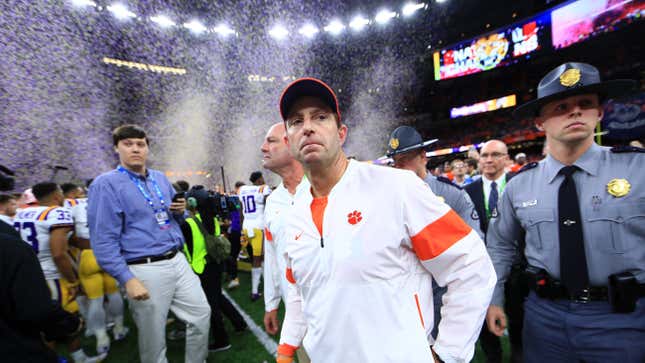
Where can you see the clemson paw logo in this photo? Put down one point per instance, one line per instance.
(354, 217)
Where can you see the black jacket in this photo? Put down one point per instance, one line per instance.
(26, 307)
(476, 192)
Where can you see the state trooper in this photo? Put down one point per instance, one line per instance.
(583, 211)
(408, 151)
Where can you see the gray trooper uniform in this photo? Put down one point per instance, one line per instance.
(405, 139)
(457, 199)
(611, 190)
(613, 226)
(460, 201)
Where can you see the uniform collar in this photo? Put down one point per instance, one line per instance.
(588, 162)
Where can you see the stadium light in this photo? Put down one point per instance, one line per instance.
(279, 32)
(335, 27)
(163, 21)
(195, 26)
(308, 31)
(121, 12)
(411, 8)
(384, 16)
(81, 3)
(223, 30)
(358, 23)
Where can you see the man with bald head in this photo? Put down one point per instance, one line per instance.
(277, 158)
(485, 192)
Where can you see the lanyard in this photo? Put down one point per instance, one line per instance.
(143, 191)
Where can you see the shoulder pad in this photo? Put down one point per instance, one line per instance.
(443, 179)
(627, 149)
(526, 167)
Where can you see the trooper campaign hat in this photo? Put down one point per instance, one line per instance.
(404, 139)
(570, 79)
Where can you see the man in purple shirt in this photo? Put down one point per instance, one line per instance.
(136, 238)
(235, 234)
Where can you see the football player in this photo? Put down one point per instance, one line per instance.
(253, 198)
(96, 283)
(45, 227)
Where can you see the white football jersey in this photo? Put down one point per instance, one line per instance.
(34, 225)
(252, 198)
(78, 208)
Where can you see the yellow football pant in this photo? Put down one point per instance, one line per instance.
(59, 290)
(256, 241)
(95, 281)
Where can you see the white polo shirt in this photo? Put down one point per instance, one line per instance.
(275, 281)
(357, 282)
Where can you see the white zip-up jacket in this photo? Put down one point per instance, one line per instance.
(275, 281)
(357, 277)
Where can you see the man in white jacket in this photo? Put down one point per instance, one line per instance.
(276, 157)
(360, 245)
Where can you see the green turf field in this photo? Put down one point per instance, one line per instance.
(245, 346)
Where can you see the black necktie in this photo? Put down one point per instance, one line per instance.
(492, 200)
(573, 263)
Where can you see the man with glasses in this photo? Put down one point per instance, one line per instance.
(461, 178)
(485, 193)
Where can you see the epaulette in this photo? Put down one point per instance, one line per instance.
(443, 179)
(526, 167)
(627, 149)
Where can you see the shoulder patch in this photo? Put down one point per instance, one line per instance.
(526, 167)
(627, 149)
(443, 179)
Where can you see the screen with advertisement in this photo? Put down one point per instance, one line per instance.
(499, 48)
(580, 20)
(485, 106)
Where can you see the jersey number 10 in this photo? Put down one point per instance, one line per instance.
(30, 228)
(249, 203)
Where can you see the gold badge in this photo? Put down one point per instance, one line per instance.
(570, 77)
(618, 187)
(394, 143)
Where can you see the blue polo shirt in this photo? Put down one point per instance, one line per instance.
(122, 224)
